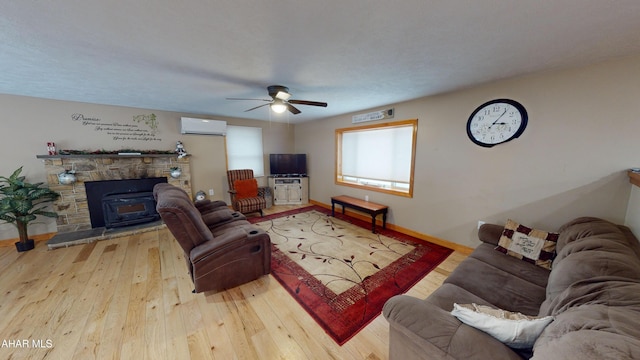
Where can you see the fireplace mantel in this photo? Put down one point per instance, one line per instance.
(102, 156)
(72, 209)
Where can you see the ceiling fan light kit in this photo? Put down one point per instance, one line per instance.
(279, 102)
(278, 106)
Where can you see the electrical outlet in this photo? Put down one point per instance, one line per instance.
(480, 222)
(210, 191)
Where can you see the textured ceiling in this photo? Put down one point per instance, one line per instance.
(190, 56)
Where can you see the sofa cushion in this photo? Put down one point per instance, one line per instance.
(496, 286)
(589, 266)
(511, 328)
(213, 218)
(523, 270)
(528, 244)
(591, 252)
(447, 294)
(221, 229)
(592, 331)
(590, 227)
(207, 205)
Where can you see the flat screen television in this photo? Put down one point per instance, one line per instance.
(288, 164)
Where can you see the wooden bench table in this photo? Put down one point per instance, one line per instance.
(368, 207)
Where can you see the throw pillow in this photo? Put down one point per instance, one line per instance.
(531, 245)
(246, 188)
(513, 329)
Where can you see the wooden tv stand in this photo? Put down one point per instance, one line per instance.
(289, 190)
(370, 208)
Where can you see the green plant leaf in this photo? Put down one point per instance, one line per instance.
(26, 218)
(22, 206)
(7, 218)
(15, 174)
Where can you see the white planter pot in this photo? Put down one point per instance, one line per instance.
(66, 178)
(176, 173)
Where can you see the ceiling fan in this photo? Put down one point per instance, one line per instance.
(281, 100)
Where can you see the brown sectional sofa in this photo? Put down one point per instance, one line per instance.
(592, 291)
(222, 249)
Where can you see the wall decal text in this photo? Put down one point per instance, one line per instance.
(143, 128)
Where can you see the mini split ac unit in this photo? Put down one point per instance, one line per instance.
(203, 126)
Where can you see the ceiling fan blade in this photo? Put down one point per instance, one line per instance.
(306, 102)
(248, 99)
(259, 106)
(293, 109)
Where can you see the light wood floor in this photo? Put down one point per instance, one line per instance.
(130, 298)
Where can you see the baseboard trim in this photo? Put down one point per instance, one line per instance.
(36, 238)
(448, 244)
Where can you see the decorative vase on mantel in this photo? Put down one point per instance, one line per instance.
(175, 172)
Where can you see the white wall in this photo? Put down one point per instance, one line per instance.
(29, 123)
(571, 160)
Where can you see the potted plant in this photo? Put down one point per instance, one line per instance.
(21, 203)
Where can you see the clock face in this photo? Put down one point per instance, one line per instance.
(496, 122)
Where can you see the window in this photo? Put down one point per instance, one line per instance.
(244, 149)
(377, 157)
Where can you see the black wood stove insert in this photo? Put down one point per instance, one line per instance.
(118, 203)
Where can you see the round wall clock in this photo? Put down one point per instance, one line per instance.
(497, 121)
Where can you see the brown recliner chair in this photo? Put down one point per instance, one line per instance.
(219, 254)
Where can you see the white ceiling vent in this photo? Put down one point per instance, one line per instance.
(203, 126)
(376, 115)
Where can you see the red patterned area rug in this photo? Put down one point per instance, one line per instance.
(340, 272)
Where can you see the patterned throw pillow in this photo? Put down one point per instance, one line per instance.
(530, 245)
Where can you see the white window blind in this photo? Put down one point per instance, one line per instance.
(244, 149)
(381, 154)
(378, 157)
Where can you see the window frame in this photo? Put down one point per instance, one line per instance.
(358, 182)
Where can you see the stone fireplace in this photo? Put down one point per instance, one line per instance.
(72, 206)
